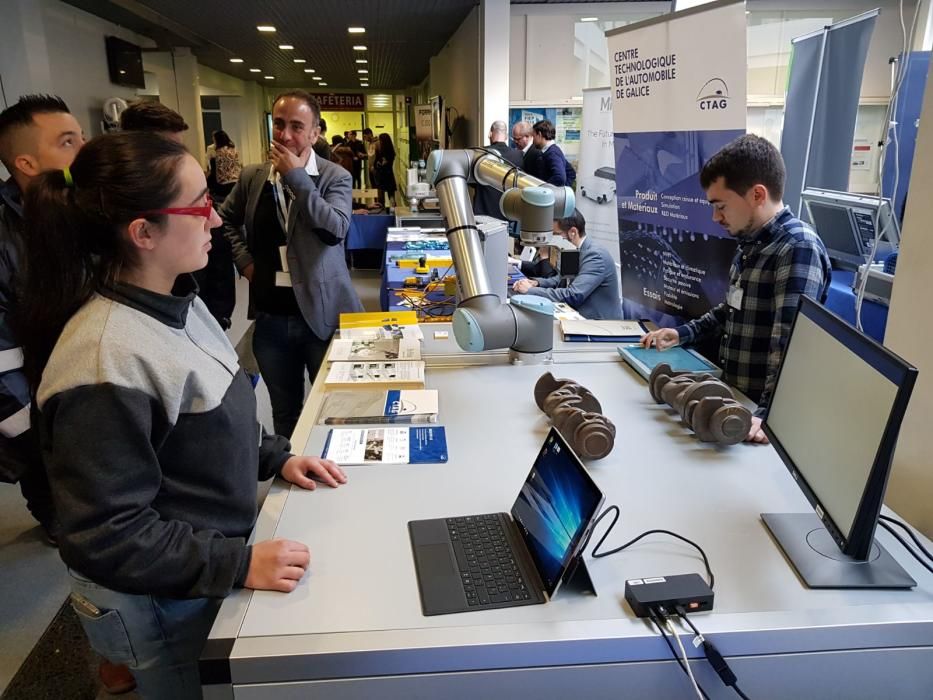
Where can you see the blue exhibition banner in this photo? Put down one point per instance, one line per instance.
(676, 102)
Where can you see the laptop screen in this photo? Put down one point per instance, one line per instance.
(554, 509)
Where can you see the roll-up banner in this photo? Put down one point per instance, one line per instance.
(596, 173)
(678, 96)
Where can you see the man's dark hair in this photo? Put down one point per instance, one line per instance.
(745, 162)
(305, 97)
(21, 114)
(546, 129)
(151, 116)
(367, 131)
(353, 133)
(575, 220)
(323, 124)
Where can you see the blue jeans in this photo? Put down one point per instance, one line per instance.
(285, 347)
(160, 639)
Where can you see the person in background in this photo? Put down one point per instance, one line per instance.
(37, 134)
(225, 167)
(778, 258)
(359, 155)
(553, 166)
(594, 291)
(287, 221)
(321, 147)
(217, 280)
(143, 115)
(148, 424)
(341, 154)
(384, 169)
(531, 156)
(370, 142)
(486, 199)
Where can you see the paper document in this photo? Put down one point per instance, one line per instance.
(400, 375)
(342, 350)
(602, 329)
(349, 446)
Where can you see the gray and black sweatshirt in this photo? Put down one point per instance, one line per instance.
(150, 437)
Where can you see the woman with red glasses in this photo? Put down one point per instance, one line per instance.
(148, 424)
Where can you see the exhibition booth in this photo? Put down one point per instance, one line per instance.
(537, 505)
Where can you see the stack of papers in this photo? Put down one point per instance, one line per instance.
(380, 325)
(393, 406)
(342, 350)
(369, 375)
(587, 331)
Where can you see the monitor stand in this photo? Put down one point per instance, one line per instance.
(820, 562)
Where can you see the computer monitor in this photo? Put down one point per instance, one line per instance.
(834, 418)
(845, 221)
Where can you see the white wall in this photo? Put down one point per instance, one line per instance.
(66, 56)
(454, 75)
(909, 333)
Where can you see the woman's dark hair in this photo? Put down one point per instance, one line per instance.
(222, 139)
(75, 240)
(386, 149)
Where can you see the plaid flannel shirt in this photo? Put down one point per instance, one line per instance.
(774, 266)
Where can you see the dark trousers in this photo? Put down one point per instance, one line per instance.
(285, 347)
(357, 176)
(38, 494)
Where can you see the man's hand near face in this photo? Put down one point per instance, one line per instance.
(284, 160)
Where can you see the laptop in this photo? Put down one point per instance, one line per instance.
(504, 560)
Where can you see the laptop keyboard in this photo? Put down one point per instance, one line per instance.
(488, 570)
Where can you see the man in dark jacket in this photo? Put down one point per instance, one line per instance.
(554, 166)
(38, 133)
(486, 199)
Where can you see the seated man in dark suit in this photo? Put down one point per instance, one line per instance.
(594, 292)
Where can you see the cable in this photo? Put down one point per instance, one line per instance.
(716, 659)
(656, 621)
(906, 546)
(596, 554)
(683, 652)
(909, 532)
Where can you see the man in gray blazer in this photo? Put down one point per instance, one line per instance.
(286, 221)
(594, 292)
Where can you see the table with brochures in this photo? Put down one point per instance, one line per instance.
(354, 630)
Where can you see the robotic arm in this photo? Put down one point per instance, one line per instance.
(482, 321)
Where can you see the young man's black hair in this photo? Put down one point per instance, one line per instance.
(152, 116)
(745, 162)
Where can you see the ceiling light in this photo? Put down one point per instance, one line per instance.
(266, 28)
(362, 70)
(361, 60)
(255, 70)
(359, 47)
(269, 77)
(309, 70)
(589, 19)
(316, 77)
(299, 60)
(236, 60)
(122, 72)
(286, 47)
(356, 30)
(323, 84)
(364, 84)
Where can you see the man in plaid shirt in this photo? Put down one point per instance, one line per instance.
(778, 258)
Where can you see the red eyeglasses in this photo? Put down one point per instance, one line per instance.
(204, 210)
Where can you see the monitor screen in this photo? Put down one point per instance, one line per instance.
(834, 226)
(554, 509)
(834, 415)
(125, 63)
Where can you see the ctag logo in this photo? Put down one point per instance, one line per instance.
(713, 95)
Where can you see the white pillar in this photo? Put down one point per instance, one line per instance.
(494, 65)
(187, 98)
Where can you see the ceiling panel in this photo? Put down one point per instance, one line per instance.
(401, 35)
